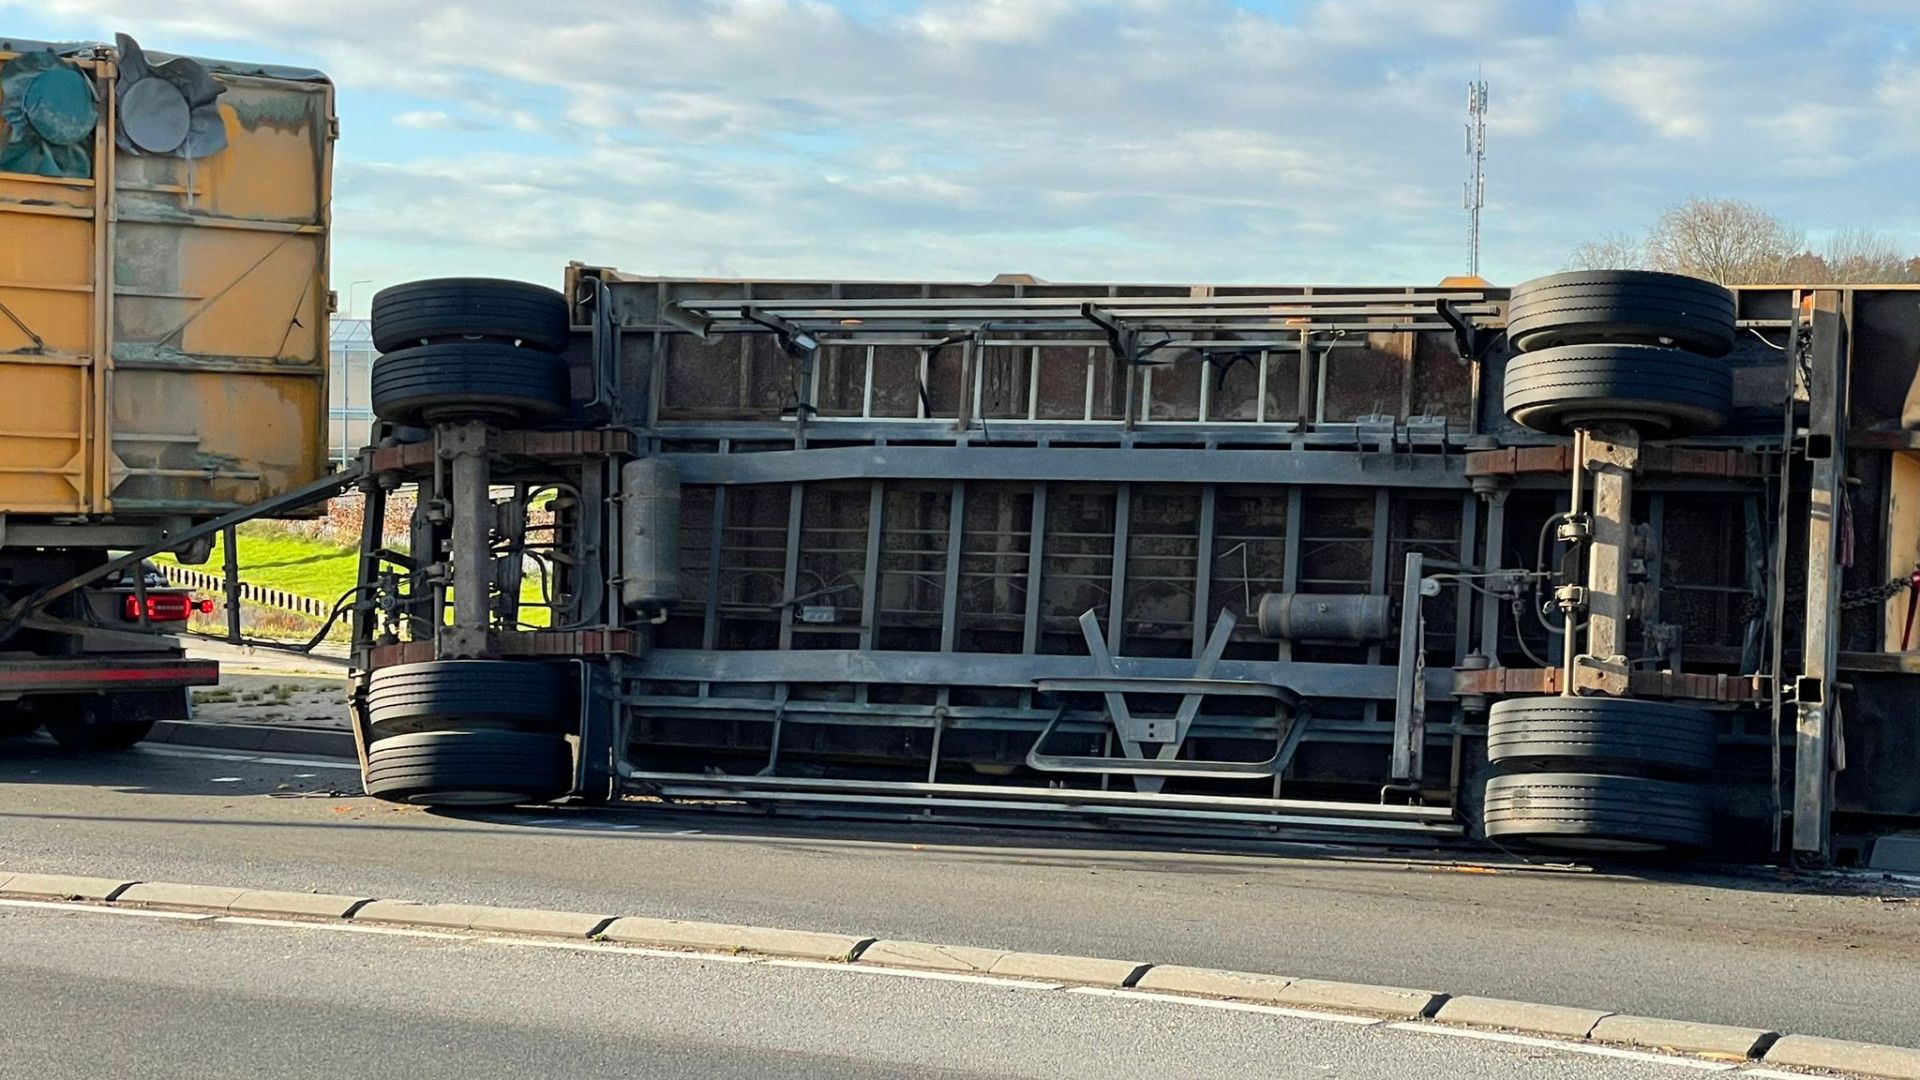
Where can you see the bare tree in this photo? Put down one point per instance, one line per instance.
(1613, 251)
(1724, 240)
(1737, 243)
(1863, 256)
(1806, 268)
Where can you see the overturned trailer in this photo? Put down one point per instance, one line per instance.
(1298, 561)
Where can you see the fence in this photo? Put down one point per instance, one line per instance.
(273, 598)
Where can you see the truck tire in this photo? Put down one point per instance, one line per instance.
(1590, 812)
(441, 308)
(469, 768)
(16, 723)
(112, 721)
(442, 695)
(1641, 307)
(470, 380)
(1661, 392)
(75, 733)
(1606, 733)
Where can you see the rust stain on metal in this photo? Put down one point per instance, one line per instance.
(176, 312)
(525, 643)
(1660, 460)
(1517, 682)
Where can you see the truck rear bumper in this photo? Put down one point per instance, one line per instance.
(100, 674)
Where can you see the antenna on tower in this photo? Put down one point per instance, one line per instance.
(1476, 187)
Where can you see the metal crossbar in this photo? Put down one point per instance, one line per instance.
(1166, 734)
(1360, 313)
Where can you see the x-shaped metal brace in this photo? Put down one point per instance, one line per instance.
(1164, 734)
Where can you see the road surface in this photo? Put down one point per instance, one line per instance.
(107, 995)
(1747, 950)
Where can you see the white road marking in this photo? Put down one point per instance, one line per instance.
(942, 976)
(203, 755)
(1572, 1047)
(92, 909)
(348, 928)
(907, 973)
(589, 825)
(212, 755)
(630, 950)
(1230, 1006)
(315, 763)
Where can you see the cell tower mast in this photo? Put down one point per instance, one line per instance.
(1476, 187)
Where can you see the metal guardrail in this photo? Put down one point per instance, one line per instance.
(257, 594)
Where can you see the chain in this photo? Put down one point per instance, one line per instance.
(1874, 595)
(1853, 599)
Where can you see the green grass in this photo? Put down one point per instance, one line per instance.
(273, 558)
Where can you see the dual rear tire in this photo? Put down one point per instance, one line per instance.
(1631, 347)
(485, 767)
(1596, 812)
(463, 733)
(1599, 774)
(465, 349)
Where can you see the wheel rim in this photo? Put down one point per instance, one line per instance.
(457, 413)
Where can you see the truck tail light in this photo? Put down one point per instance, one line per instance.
(165, 607)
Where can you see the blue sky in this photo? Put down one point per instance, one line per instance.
(1315, 141)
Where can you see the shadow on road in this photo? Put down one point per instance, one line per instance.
(234, 789)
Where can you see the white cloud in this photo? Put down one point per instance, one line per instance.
(1668, 93)
(1077, 139)
(988, 22)
(436, 120)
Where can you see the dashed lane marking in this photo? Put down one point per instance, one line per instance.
(907, 973)
(346, 928)
(144, 913)
(1571, 1047)
(258, 759)
(629, 950)
(1230, 1006)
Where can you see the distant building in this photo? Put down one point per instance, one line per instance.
(350, 418)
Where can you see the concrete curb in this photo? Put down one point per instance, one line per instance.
(1520, 1016)
(216, 897)
(1720, 1042)
(1214, 983)
(572, 924)
(1713, 1040)
(1872, 1059)
(930, 957)
(723, 937)
(311, 905)
(1087, 970)
(258, 738)
(64, 887)
(1394, 1001)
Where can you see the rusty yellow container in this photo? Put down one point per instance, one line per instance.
(163, 309)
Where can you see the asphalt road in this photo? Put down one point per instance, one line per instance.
(1751, 950)
(100, 995)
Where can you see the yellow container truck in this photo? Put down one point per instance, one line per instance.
(163, 352)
